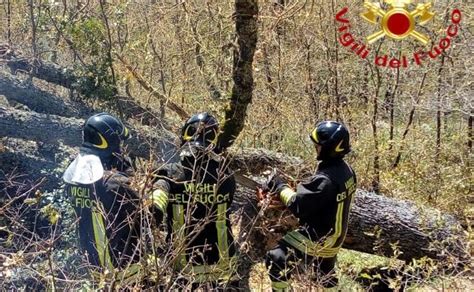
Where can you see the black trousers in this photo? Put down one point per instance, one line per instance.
(284, 260)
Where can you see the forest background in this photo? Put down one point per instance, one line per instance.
(411, 128)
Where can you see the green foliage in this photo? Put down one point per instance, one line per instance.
(96, 80)
(89, 38)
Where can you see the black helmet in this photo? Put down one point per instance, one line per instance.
(103, 133)
(333, 138)
(200, 130)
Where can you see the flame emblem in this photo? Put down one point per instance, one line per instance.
(397, 23)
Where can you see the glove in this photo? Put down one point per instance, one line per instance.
(275, 184)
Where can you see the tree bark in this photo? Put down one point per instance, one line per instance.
(389, 226)
(38, 100)
(49, 72)
(30, 162)
(470, 132)
(55, 130)
(67, 78)
(256, 161)
(246, 12)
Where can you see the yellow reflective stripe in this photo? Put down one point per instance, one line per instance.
(338, 147)
(294, 240)
(221, 226)
(178, 230)
(305, 245)
(339, 213)
(103, 143)
(223, 270)
(187, 137)
(214, 141)
(101, 242)
(209, 269)
(286, 195)
(337, 227)
(128, 276)
(280, 286)
(160, 199)
(314, 135)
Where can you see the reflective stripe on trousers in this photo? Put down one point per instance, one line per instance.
(223, 270)
(280, 286)
(221, 226)
(101, 241)
(325, 250)
(225, 267)
(178, 230)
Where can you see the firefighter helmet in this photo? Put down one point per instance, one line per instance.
(333, 137)
(104, 133)
(200, 130)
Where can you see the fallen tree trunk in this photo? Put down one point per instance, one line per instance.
(378, 224)
(36, 99)
(53, 129)
(43, 70)
(30, 162)
(400, 228)
(67, 78)
(256, 161)
(39, 127)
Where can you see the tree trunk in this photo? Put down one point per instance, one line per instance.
(38, 100)
(389, 226)
(246, 12)
(470, 132)
(67, 78)
(58, 130)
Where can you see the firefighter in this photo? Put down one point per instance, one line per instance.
(196, 194)
(322, 204)
(98, 185)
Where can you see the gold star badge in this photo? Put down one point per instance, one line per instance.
(398, 23)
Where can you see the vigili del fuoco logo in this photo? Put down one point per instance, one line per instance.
(398, 22)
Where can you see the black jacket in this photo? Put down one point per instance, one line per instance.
(108, 219)
(322, 203)
(200, 194)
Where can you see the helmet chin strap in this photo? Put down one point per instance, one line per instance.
(190, 154)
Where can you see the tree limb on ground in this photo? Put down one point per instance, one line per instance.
(67, 78)
(53, 129)
(38, 100)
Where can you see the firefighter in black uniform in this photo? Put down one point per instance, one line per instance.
(322, 205)
(196, 195)
(98, 185)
